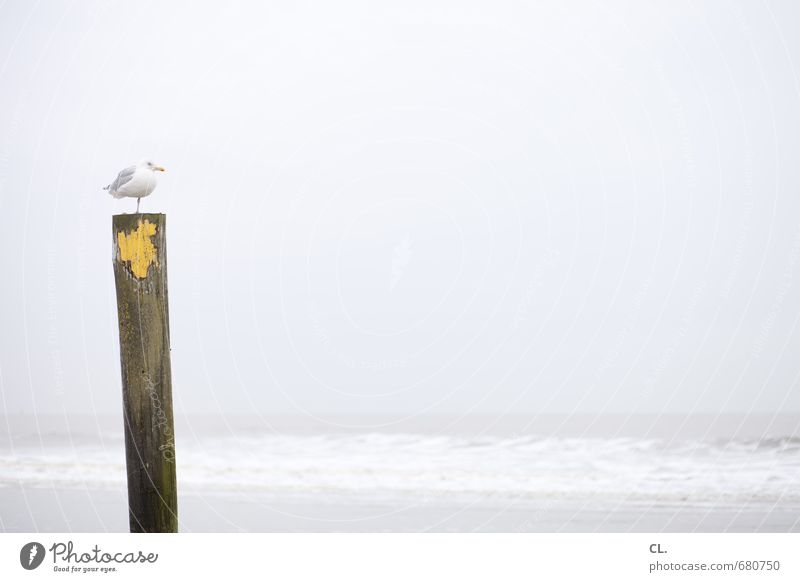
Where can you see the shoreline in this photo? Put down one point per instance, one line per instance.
(27, 509)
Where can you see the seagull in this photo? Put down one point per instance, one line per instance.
(135, 181)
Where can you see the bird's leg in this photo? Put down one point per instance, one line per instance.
(137, 205)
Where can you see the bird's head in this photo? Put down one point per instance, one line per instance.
(151, 166)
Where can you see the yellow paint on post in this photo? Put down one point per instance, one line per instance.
(137, 248)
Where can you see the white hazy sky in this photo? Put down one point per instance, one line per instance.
(410, 207)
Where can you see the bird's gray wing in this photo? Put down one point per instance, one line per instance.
(122, 178)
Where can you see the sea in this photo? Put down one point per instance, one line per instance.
(617, 462)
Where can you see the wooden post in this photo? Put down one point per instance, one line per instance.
(140, 274)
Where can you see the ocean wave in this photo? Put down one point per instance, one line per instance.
(421, 466)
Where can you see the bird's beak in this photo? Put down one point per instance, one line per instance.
(159, 169)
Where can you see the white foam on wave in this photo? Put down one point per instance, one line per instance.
(425, 465)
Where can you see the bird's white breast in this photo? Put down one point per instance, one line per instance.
(142, 184)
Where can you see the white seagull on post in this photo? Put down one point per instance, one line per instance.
(135, 182)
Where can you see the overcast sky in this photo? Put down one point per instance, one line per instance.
(429, 207)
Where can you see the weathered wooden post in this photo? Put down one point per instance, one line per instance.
(140, 274)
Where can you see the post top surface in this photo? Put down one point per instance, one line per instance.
(137, 215)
